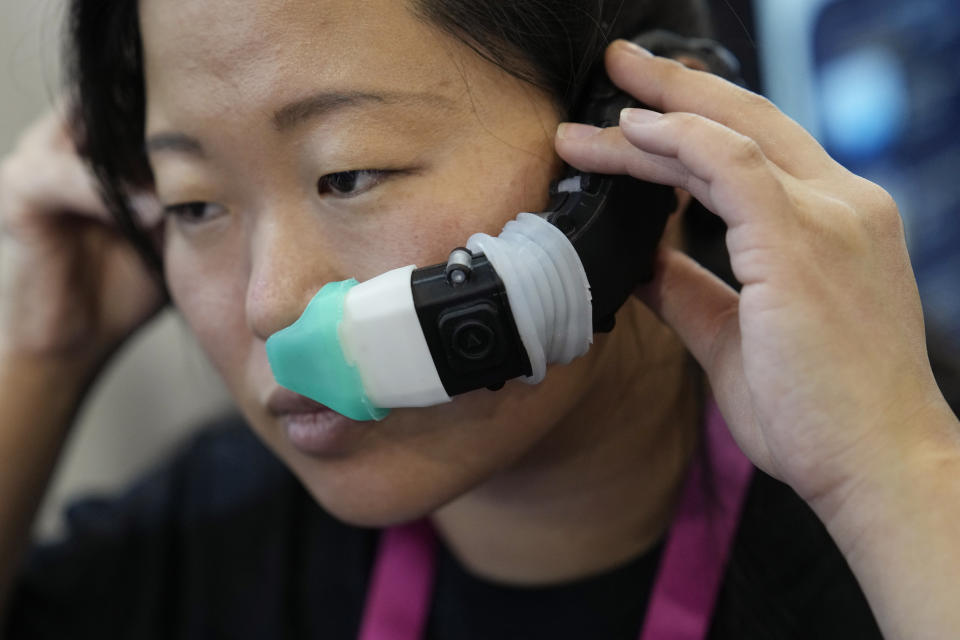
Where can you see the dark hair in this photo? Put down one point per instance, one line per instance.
(104, 67)
(555, 46)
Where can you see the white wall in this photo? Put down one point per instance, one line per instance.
(161, 386)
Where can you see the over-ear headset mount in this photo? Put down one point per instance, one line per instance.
(505, 307)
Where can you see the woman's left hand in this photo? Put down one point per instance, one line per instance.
(819, 364)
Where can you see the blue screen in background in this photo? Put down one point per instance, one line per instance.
(886, 81)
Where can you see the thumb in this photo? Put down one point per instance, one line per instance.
(701, 308)
(705, 313)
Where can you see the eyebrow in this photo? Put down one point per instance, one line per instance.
(317, 105)
(323, 103)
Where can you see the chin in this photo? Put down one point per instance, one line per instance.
(417, 461)
(378, 495)
(373, 509)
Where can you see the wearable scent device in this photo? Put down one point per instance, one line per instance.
(500, 307)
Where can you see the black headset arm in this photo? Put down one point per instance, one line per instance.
(614, 222)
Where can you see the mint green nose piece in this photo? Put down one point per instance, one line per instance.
(306, 357)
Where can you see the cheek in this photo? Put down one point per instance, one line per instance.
(208, 289)
(478, 194)
(421, 459)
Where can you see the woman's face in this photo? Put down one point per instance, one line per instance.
(260, 110)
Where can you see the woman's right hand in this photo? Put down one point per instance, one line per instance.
(72, 289)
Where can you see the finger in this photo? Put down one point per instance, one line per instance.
(700, 307)
(45, 176)
(743, 185)
(607, 151)
(704, 312)
(146, 209)
(49, 132)
(724, 170)
(63, 185)
(667, 85)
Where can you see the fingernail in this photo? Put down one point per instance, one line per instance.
(634, 48)
(575, 131)
(147, 208)
(638, 116)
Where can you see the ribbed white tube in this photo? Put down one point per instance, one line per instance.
(547, 288)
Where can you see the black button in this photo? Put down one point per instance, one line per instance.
(473, 340)
(472, 337)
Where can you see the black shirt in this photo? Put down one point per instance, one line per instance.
(223, 542)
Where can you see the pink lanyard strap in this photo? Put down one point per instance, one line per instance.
(684, 594)
(398, 600)
(700, 539)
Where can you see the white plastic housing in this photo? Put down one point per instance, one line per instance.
(381, 336)
(547, 287)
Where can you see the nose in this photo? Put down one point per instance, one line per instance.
(289, 264)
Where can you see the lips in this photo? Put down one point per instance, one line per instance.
(313, 428)
(283, 402)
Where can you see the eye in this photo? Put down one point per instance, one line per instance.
(193, 212)
(347, 184)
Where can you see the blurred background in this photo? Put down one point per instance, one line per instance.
(877, 81)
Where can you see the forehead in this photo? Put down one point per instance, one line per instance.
(206, 56)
